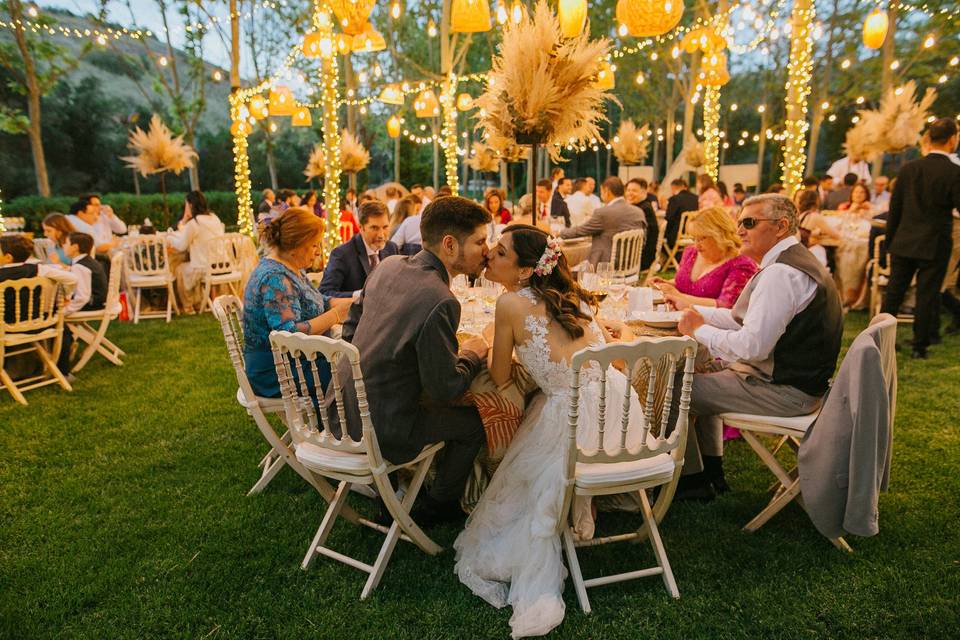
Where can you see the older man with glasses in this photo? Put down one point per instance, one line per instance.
(778, 344)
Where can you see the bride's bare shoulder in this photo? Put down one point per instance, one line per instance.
(512, 303)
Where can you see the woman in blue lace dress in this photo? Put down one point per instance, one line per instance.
(279, 297)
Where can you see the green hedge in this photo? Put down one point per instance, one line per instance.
(131, 208)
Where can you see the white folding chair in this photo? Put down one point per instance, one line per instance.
(342, 458)
(80, 322)
(611, 470)
(682, 241)
(625, 255)
(147, 267)
(228, 310)
(789, 431)
(222, 269)
(879, 277)
(31, 312)
(658, 253)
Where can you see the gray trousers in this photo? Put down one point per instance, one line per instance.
(728, 391)
(461, 431)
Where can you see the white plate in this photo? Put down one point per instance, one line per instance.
(662, 319)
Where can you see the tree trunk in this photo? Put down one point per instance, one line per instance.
(163, 191)
(886, 74)
(33, 99)
(136, 182)
(194, 171)
(396, 159)
(761, 148)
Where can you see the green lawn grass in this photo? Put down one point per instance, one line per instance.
(124, 516)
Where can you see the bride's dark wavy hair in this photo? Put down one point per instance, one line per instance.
(559, 289)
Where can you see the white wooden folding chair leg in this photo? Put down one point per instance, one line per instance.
(326, 525)
(657, 543)
(779, 501)
(839, 543)
(136, 308)
(269, 471)
(570, 547)
(51, 367)
(12, 387)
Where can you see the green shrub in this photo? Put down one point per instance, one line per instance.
(130, 208)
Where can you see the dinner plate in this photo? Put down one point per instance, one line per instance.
(661, 319)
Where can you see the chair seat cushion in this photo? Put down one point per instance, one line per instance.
(228, 276)
(268, 405)
(769, 424)
(94, 315)
(11, 339)
(159, 280)
(597, 475)
(320, 459)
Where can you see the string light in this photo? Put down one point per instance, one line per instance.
(448, 103)
(711, 126)
(241, 167)
(797, 87)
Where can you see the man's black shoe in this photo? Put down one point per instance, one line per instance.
(429, 511)
(695, 486)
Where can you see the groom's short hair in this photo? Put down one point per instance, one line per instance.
(451, 216)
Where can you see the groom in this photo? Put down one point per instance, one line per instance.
(404, 324)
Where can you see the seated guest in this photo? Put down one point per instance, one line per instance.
(408, 206)
(287, 198)
(558, 201)
(881, 196)
(311, 202)
(407, 235)
(351, 262)
(636, 194)
(444, 190)
(739, 195)
(712, 272)
(419, 191)
(198, 226)
(859, 202)
(89, 216)
(724, 193)
(523, 214)
(779, 343)
(578, 204)
(838, 196)
(350, 202)
(404, 325)
(91, 291)
(825, 188)
(267, 202)
(679, 203)
(776, 187)
(393, 197)
(57, 228)
(812, 224)
(347, 218)
(709, 193)
(615, 216)
(493, 203)
(279, 297)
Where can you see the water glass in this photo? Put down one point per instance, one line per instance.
(640, 300)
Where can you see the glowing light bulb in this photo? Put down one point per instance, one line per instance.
(395, 10)
(654, 56)
(163, 61)
(761, 108)
(502, 15)
(641, 78)
(929, 41)
(622, 30)
(942, 79)
(860, 99)
(516, 12)
(432, 28)
(845, 64)
(894, 65)
(733, 107)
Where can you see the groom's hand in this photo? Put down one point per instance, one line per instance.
(476, 346)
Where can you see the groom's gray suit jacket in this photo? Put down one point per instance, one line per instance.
(405, 326)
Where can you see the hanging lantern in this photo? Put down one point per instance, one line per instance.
(470, 16)
(464, 102)
(369, 41)
(393, 126)
(281, 101)
(644, 18)
(690, 42)
(391, 95)
(875, 29)
(714, 72)
(301, 117)
(311, 45)
(258, 107)
(353, 14)
(240, 128)
(426, 105)
(573, 17)
(605, 79)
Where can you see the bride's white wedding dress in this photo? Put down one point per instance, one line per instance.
(509, 552)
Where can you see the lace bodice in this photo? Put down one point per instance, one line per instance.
(543, 353)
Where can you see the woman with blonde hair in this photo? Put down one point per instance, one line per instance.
(279, 297)
(712, 272)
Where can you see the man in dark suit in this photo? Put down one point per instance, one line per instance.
(558, 202)
(636, 194)
(614, 216)
(679, 203)
(919, 228)
(838, 196)
(404, 324)
(351, 263)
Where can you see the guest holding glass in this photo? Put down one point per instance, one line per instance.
(279, 297)
(712, 272)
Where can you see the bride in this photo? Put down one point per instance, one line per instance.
(509, 552)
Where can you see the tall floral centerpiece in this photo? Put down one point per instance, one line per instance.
(630, 144)
(157, 151)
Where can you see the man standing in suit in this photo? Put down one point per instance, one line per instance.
(919, 225)
(404, 324)
(680, 202)
(351, 262)
(615, 216)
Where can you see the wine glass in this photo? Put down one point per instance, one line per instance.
(586, 277)
(604, 273)
(617, 287)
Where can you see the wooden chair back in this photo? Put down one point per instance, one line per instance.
(30, 305)
(228, 310)
(222, 255)
(147, 256)
(113, 282)
(296, 357)
(627, 250)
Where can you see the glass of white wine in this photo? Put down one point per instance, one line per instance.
(602, 287)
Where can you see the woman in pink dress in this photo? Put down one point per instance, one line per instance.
(712, 272)
(709, 194)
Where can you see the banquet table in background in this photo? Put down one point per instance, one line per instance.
(852, 250)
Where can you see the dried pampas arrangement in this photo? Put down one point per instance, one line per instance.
(316, 165)
(354, 156)
(543, 87)
(630, 144)
(483, 158)
(892, 128)
(695, 156)
(158, 151)
(511, 152)
(864, 140)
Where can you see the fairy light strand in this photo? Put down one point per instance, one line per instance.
(799, 71)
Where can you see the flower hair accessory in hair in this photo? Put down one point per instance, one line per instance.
(549, 259)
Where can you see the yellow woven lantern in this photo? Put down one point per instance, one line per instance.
(464, 102)
(714, 72)
(470, 16)
(281, 101)
(875, 29)
(393, 126)
(258, 107)
(311, 45)
(301, 117)
(572, 15)
(344, 43)
(369, 41)
(426, 105)
(605, 79)
(391, 95)
(240, 128)
(353, 14)
(644, 18)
